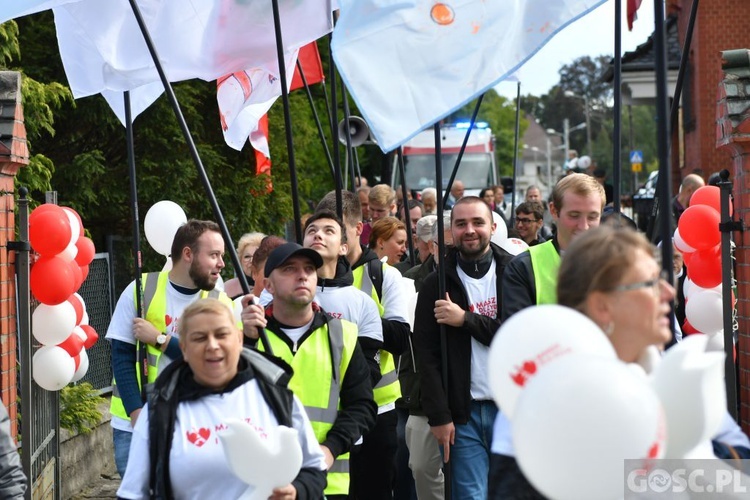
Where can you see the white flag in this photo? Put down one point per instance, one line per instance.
(11, 9)
(409, 63)
(103, 50)
(244, 97)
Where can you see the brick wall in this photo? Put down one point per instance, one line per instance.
(719, 26)
(732, 138)
(14, 154)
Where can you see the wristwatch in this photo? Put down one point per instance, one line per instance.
(161, 339)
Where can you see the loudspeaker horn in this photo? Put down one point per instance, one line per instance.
(358, 130)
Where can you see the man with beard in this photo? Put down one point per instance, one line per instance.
(461, 416)
(197, 256)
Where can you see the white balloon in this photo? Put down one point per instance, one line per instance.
(585, 413)
(536, 337)
(75, 226)
(690, 384)
(69, 253)
(51, 325)
(79, 331)
(689, 288)
(161, 223)
(501, 230)
(52, 368)
(680, 244)
(167, 265)
(85, 318)
(584, 162)
(704, 310)
(514, 246)
(715, 342)
(264, 464)
(83, 366)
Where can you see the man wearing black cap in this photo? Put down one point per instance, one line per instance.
(331, 377)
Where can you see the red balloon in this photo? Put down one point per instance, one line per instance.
(91, 336)
(72, 345)
(77, 360)
(699, 227)
(84, 272)
(709, 196)
(49, 232)
(77, 275)
(86, 251)
(52, 280)
(77, 303)
(80, 221)
(705, 268)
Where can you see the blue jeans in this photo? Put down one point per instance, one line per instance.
(121, 441)
(470, 455)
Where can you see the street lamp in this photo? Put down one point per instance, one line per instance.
(587, 113)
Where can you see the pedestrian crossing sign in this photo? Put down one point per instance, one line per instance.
(636, 157)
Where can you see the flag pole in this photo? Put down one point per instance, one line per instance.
(516, 133)
(142, 354)
(316, 117)
(441, 285)
(287, 121)
(405, 204)
(674, 111)
(169, 92)
(617, 137)
(348, 136)
(463, 147)
(335, 132)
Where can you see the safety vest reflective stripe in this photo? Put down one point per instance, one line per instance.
(388, 388)
(545, 262)
(154, 286)
(325, 351)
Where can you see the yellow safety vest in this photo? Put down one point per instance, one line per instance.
(545, 262)
(388, 388)
(154, 287)
(320, 365)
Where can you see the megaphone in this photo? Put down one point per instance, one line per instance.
(358, 130)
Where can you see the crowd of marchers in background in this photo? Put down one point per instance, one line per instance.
(353, 316)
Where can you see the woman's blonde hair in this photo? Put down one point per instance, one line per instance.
(249, 239)
(597, 260)
(203, 306)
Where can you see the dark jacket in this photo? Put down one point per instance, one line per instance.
(12, 479)
(519, 290)
(176, 384)
(456, 405)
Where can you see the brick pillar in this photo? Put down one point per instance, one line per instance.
(733, 136)
(14, 154)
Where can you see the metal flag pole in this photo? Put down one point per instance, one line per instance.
(335, 132)
(348, 137)
(287, 122)
(617, 137)
(515, 154)
(684, 57)
(142, 354)
(441, 285)
(169, 92)
(463, 147)
(405, 204)
(319, 125)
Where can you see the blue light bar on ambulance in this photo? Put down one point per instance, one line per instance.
(465, 125)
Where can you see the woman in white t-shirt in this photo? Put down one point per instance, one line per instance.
(176, 451)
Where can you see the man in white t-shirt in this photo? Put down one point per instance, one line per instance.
(197, 256)
(462, 414)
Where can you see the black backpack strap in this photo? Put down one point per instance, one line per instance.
(375, 272)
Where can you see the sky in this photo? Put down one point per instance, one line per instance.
(591, 35)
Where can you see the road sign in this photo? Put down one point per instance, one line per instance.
(636, 167)
(636, 157)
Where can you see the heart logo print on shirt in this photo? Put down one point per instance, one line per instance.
(199, 437)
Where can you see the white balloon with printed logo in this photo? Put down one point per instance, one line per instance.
(514, 246)
(161, 224)
(534, 338)
(578, 420)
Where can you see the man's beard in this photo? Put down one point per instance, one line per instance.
(471, 254)
(203, 281)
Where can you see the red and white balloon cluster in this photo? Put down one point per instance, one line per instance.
(698, 238)
(60, 322)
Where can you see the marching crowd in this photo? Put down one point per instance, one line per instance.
(385, 379)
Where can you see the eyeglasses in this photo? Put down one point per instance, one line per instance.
(520, 220)
(654, 284)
